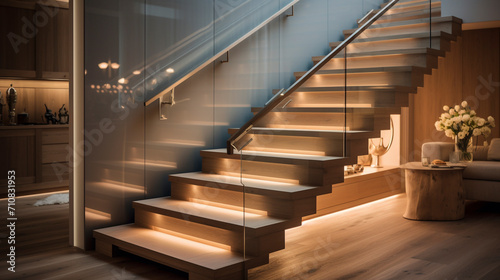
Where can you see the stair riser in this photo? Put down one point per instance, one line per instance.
(436, 12)
(366, 79)
(256, 246)
(279, 208)
(448, 27)
(322, 121)
(438, 43)
(307, 145)
(360, 98)
(419, 60)
(278, 172)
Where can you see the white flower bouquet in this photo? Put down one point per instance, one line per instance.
(461, 123)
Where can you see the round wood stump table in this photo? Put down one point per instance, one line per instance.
(434, 194)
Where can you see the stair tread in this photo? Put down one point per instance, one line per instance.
(350, 134)
(410, 2)
(188, 252)
(357, 88)
(388, 52)
(275, 157)
(210, 215)
(408, 13)
(399, 36)
(364, 70)
(409, 6)
(319, 109)
(407, 22)
(253, 186)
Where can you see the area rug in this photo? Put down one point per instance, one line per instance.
(58, 198)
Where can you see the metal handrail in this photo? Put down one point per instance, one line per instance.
(231, 142)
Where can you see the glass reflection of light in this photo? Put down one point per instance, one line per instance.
(97, 215)
(178, 142)
(112, 184)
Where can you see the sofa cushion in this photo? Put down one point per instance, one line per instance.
(483, 170)
(494, 150)
(480, 153)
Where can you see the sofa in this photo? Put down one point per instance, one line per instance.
(481, 177)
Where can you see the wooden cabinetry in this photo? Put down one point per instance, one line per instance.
(39, 156)
(35, 41)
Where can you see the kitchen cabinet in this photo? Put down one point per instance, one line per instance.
(36, 41)
(39, 156)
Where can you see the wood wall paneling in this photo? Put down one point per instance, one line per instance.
(481, 73)
(17, 50)
(473, 63)
(52, 42)
(34, 46)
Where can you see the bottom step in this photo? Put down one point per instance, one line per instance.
(201, 261)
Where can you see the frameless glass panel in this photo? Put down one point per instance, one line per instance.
(179, 39)
(190, 33)
(114, 123)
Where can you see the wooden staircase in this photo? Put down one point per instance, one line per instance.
(214, 228)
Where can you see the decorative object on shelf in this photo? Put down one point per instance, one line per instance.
(461, 123)
(379, 150)
(353, 169)
(63, 115)
(50, 118)
(365, 160)
(23, 118)
(11, 101)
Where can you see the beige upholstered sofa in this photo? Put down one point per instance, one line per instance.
(481, 176)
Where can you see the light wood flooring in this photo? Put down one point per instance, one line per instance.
(369, 242)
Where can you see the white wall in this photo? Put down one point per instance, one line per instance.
(472, 10)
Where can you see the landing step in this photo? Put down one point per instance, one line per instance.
(284, 158)
(252, 186)
(229, 219)
(179, 253)
(366, 70)
(389, 52)
(401, 37)
(351, 134)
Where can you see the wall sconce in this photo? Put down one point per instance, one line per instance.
(166, 101)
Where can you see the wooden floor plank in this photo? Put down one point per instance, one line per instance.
(368, 242)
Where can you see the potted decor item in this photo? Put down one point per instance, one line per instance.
(11, 101)
(461, 123)
(63, 115)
